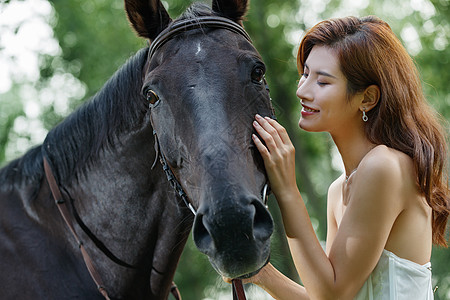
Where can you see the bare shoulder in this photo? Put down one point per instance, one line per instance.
(392, 180)
(385, 161)
(384, 166)
(385, 157)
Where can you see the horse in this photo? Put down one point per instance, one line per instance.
(188, 101)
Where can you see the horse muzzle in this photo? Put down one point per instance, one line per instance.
(234, 232)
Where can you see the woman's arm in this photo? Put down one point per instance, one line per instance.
(357, 245)
(278, 285)
(332, 226)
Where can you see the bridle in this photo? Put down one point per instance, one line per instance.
(181, 26)
(238, 289)
(171, 31)
(167, 34)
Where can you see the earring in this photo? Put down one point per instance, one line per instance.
(365, 118)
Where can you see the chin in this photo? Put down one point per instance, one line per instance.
(304, 126)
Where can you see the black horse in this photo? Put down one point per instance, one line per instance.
(189, 102)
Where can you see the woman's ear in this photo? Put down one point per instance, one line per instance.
(371, 96)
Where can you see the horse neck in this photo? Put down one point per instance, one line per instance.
(132, 209)
(108, 176)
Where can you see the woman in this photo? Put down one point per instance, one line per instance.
(359, 84)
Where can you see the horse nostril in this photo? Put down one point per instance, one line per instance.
(236, 238)
(224, 231)
(262, 222)
(201, 235)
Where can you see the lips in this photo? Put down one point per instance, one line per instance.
(309, 109)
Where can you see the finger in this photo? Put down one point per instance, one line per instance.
(267, 132)
(244, 281)
(280, 129)
(226, 279)
(261, 148)
(265, 137)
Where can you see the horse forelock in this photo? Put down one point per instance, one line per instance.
(115, 109)
(196, 10)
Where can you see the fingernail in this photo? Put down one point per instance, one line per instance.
(255, 123)
(258, 116)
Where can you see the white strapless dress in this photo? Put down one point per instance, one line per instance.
(396, 278)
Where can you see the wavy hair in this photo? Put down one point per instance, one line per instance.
(370, 53)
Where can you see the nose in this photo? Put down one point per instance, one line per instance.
(235, 235)
(303, 89)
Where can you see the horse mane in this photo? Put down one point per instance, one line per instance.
(26, 168)
(72, 145)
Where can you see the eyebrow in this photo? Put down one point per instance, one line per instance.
(323, 73)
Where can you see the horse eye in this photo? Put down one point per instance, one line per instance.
(258, 75)
(151, 96)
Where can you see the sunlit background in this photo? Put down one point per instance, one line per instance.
(49, 64)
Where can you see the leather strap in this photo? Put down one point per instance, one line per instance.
(164, 36)
(65, 213)
(100, 245)
(188, 24)
(64, 210)
(238, 290)
(175, 292)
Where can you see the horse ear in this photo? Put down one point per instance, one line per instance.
(231, 9)
(148, 17)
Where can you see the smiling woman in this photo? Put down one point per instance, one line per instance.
(322, 90)
(392, 203)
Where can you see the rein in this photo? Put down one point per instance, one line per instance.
(171, 31)
(64, 210)
(65, 213)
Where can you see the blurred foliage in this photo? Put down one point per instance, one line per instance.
(10, 110)
(95, 39)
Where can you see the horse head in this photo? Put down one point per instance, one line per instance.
(204, 84)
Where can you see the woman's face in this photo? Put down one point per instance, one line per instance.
(323, 93)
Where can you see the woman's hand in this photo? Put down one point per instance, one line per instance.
(258, 279)
(276, 284)
(278, 154)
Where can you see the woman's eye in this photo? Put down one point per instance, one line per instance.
(305, 75)
(151, 96)
(322, 83)
(258, 75)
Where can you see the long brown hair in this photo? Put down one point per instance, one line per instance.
(370, 53)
